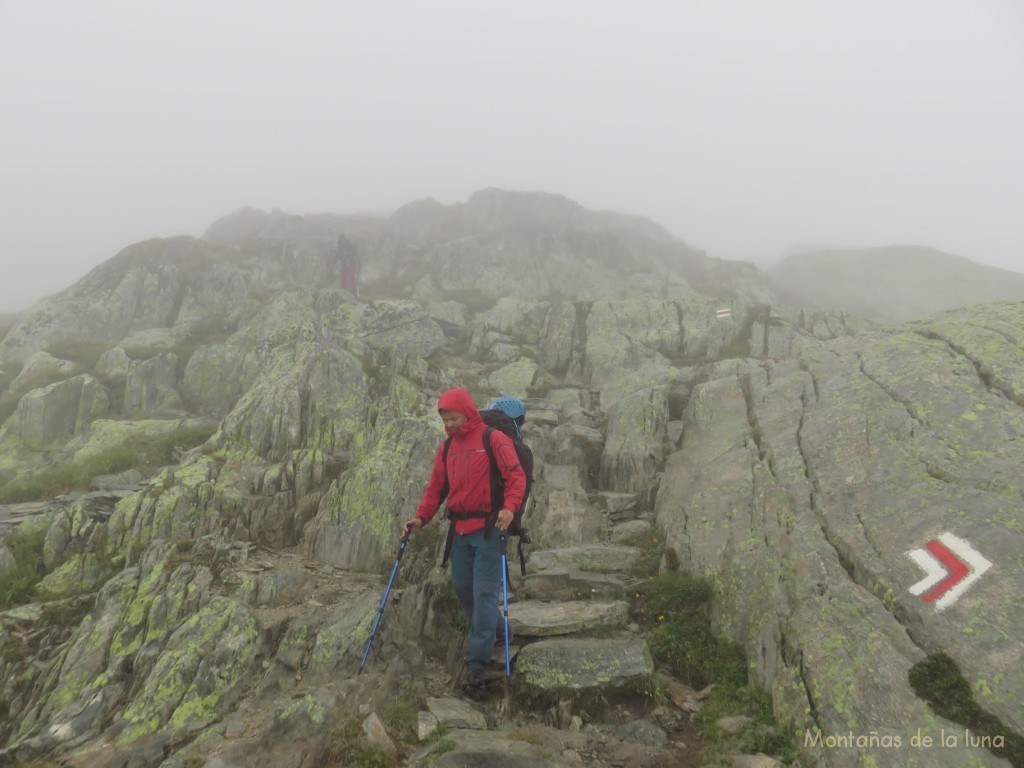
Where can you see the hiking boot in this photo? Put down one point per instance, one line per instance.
(474, 678)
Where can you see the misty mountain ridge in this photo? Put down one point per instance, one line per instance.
(523, 237)
(541, 244)
(497, 244)
(488, 209)
(891, 284)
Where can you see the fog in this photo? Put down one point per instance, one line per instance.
(745, 128)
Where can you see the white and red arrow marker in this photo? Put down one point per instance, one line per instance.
(951, 566)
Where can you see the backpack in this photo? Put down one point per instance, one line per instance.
(495, 419)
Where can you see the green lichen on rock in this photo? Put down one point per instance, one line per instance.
(176, 505)
(308, 394)
(47, 417)
(202, 671)
(81, 573)
(516, 377)
(554, 666)
(83, 671)
(343, 639)
(308, 706)
(632, 453)
(386, 476)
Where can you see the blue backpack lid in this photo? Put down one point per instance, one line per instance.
(512, 406)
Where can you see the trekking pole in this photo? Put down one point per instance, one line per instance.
(504, 600)
(380, 611)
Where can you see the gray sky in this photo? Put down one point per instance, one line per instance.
(744, 127)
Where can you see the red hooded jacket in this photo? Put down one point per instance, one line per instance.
(469, 471)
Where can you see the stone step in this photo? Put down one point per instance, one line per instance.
(453, 712)
(536, 618)
(490, 749)
(630, 530)
(619, 506)
(573, 584)
(596, 558)
(584, 664)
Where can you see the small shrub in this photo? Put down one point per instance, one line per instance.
(673, 608)
(347, 747)
(652, 553)
(400, 718)
(18, 584)
(452, 608)
(440, 744)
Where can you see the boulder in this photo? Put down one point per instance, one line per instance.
(150, 386)
(57, 412)
(41, 368)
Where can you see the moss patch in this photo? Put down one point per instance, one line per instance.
(674, 611)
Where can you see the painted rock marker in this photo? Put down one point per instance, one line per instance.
(951, 567)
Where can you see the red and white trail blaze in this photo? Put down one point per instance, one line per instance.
(951, 567)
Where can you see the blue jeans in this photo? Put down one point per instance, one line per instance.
(476, 578)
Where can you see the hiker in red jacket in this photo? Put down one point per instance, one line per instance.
(476, 550)
(349, 265)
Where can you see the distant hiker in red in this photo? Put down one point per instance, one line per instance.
(463, 479)
(349, 266)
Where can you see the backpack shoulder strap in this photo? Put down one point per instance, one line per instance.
(448, 512)
(497, 482)
(525, 456)
(445, 489)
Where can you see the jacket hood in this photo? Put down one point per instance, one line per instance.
(460, 401)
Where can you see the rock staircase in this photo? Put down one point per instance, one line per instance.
(575, 645)
(582, 675)
(578, 623)
(574, 642)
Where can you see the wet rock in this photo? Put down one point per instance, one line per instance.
(599, 558)
(573, 584)
(533, 618)
(643, 732)
(456, 713)
(580, 664)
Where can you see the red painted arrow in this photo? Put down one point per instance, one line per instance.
(951, 566)
(956, 567)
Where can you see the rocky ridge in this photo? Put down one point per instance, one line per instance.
(216, 611)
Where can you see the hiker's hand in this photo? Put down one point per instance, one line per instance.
(412, 525)
(504, 520)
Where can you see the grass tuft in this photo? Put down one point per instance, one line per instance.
(347, 747)
(674, 611)
(142, 453)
